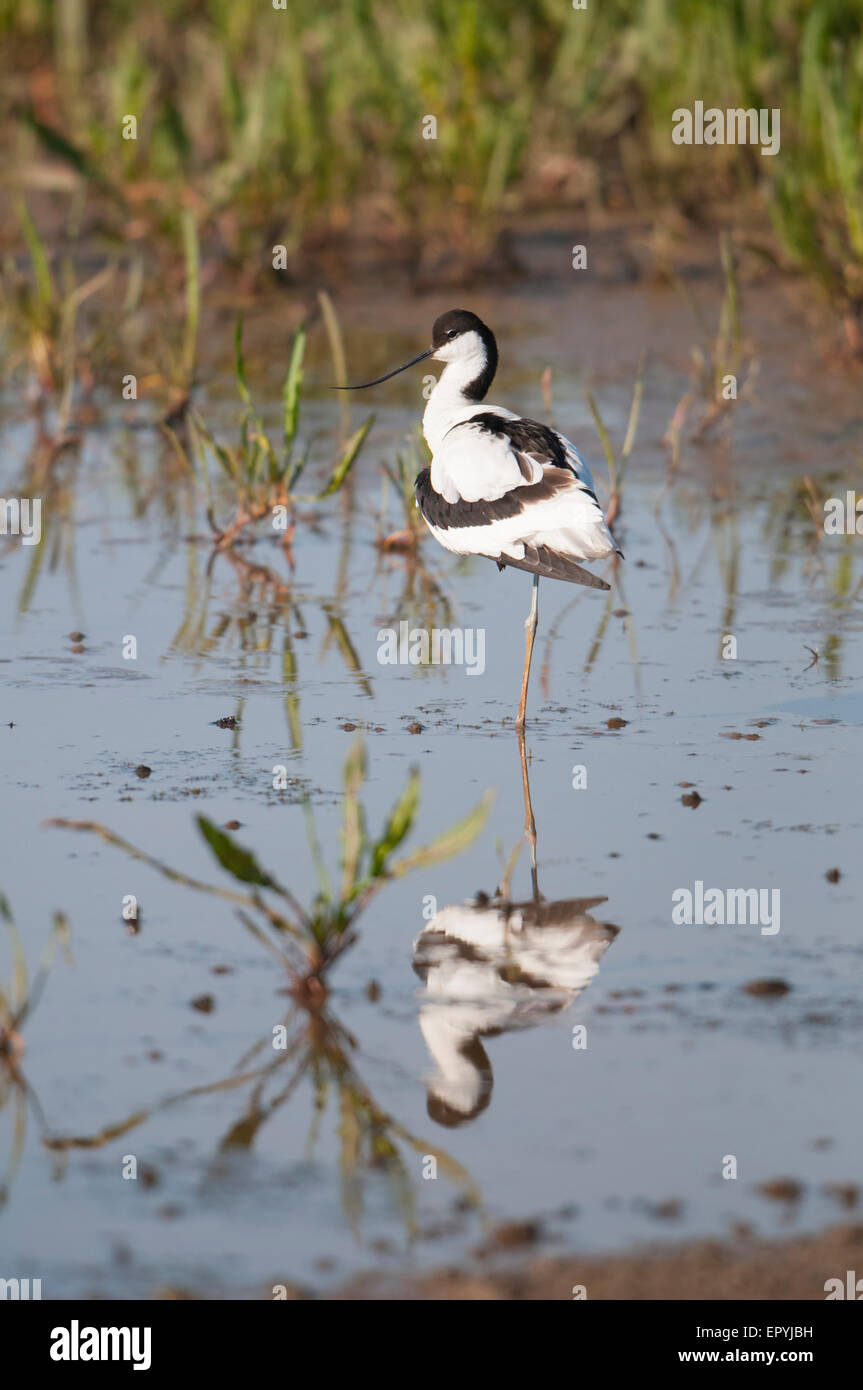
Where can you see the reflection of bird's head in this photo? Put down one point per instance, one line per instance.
(454, 1105)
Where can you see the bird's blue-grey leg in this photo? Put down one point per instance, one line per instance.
(530, 631)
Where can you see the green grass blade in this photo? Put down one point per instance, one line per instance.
(291, 391)
(347, 460)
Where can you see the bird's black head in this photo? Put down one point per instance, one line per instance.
(459, 336)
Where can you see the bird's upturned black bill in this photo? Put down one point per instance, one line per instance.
(361, 385)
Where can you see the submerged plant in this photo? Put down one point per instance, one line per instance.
(312, 1046)
(308, 940)
(18, 999)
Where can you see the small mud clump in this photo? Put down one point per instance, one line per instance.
(511, 1235)
(767, 989)
(142, 770)
(781, 1190)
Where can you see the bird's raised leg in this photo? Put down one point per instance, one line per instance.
(530, 623)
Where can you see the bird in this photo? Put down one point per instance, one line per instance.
(501, 485)
(490, 966)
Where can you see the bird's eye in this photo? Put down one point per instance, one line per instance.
(451, 333)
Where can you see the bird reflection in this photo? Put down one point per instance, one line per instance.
(492, 965)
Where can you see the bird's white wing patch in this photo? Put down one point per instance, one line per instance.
(475, 464)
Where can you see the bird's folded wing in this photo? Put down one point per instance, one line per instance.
(477, 461)
(548, 564)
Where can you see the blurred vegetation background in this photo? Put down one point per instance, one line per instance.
(304, 124)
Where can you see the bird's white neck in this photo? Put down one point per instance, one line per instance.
(449, 401)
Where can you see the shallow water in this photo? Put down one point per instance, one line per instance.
(607, 1145)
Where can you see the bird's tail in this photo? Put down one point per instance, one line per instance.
(550, 564)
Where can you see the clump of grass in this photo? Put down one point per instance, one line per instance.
(617, 465)
(291, 106)
(306, 941)
(183, 355)
(717, 361)
(817, 207)
(263, 473)
(41, 310)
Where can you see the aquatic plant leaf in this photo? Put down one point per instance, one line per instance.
(448, 843)
(337, 353)
(350, 1132)
(38, 258)
(634, 409)
(240, 363)
(192, 255)
(296, 471)
(347, 460)
(239, 862)
(172, 123)
(447, 1164)
(346, 648)
(57, 144)
(224, 455)
(291, 392)
(400, 820)
(602, 432)
(353, 824)
(19, 975)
